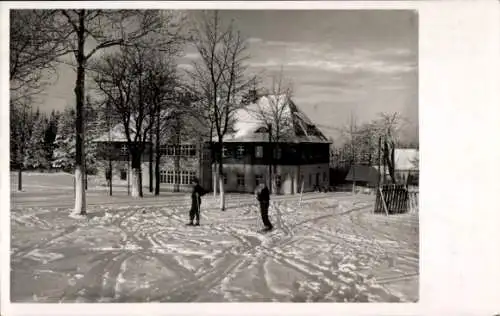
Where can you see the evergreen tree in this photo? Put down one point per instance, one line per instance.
(64, 143)
(50, 136)
(15, 133)
(21, 126)
(36, 156)
(95, 126)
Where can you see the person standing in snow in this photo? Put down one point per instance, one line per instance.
(108, 177)
(263, 196)
(196, 194)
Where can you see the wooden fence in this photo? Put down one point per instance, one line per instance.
(392, 199)
(413, 200)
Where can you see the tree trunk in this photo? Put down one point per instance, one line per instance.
(378, 162)
(20, 178)
(271, 147)
(201, 162)
(110, 177)
(157, 159)
(141, 194)
(392, 165)
(151, 161)
(221, 178)
(389, 160)
(214, 178)
(177, 167)
(136, 175)
(80, 203)
(213, 161)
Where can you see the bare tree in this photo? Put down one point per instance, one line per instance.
(34, 49)
(21, 127)
(219, 78)
(33, 56)
(86, 32)
(274, 115)
(388, 125)
(163, 96)
(133, 82)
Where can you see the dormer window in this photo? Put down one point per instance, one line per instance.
(240, 151)
(124, 150)
(277, 153)
(259, 152)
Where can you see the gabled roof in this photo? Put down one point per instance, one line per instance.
(296, 127)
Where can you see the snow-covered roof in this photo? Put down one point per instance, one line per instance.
(404, 159)
(117, 133)
(295, 126)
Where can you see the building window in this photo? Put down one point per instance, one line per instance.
(163, 150)
(240, 180)
(259, 152)
(163, 176)
(206, 154)
(278, 181)
(183, 150)
(259, 179)
(192, 150)
(177, 177)
(170, 177)
(170, 150)
(224, 152)
(277, 153)
(224, 178)
(192, 175)
(240, 151)
(187, 150)
(124, 150)
(123, 174)
(187, 177)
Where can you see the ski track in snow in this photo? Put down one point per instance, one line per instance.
(330, 247)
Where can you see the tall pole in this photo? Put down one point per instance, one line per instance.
(378, 161)
(269, 127)
(128, 175)
(157, 152)
(110, 151)
(151, 154)
(353, 164)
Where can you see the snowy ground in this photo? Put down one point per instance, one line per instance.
(331, 248)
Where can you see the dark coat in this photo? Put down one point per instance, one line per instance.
(263, 195)
(196, 195)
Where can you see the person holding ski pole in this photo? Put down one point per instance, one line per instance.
(263, 197)
(194, 212)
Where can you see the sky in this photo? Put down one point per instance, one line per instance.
(340, 63)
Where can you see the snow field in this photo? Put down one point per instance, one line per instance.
(329, 248)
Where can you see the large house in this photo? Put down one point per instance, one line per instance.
(184, 155)
(301, 156)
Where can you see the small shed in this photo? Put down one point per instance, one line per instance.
(363, 175)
